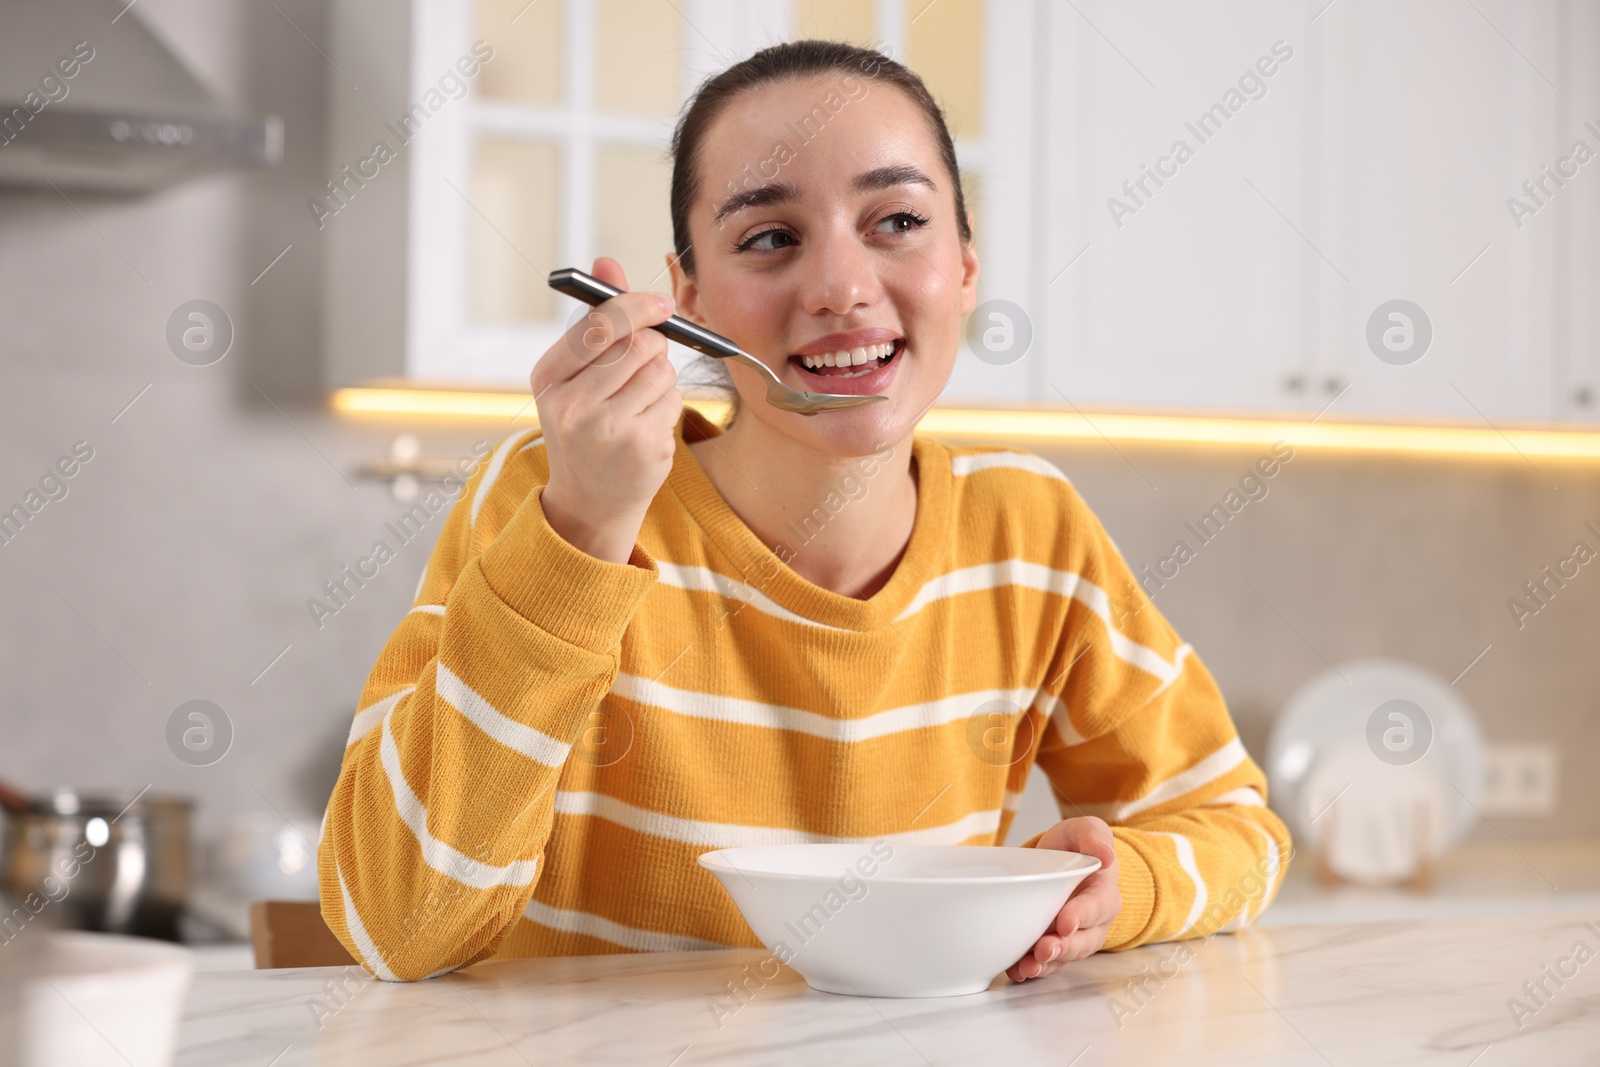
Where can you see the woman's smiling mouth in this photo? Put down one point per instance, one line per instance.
(866, 359)
(851, 362)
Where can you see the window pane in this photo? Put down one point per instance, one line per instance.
(835, 20)
(636, 57)
(945, 42)
(526, 38)
(632, 224)
(513, 229)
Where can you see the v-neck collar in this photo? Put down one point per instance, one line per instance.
(761, 569)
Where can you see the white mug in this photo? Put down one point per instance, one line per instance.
(69, 997)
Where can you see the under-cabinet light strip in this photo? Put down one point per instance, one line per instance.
(1041, 424)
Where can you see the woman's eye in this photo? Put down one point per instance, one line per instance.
(767, 241)
(900, 222)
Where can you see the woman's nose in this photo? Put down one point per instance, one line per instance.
(840, 275)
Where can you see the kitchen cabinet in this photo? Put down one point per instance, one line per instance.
(1363, 170)
(1576, 335)
(1181, 299)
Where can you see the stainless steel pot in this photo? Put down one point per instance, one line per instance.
(118, 864)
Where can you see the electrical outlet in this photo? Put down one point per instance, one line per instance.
(1520, 779)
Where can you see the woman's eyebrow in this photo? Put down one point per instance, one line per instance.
(785, 192)
(760, 196)
(886, 177)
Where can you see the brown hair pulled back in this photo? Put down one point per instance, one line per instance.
(781, 62)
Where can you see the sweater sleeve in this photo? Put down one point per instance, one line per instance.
(434, 835)
(1137, 733)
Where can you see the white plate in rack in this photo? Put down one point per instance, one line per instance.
(1417, 731)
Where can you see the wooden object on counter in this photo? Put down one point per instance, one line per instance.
(291, 933)
(13, 799)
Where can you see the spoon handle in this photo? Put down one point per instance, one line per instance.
(591, 290)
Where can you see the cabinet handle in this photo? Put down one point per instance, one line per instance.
(1295, 383)
(1332, 385)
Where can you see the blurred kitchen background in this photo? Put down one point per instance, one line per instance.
(1424, 152)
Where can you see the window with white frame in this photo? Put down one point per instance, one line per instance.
(559, 152)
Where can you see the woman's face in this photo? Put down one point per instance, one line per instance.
(825, 223)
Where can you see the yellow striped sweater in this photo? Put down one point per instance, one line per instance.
(549, 740)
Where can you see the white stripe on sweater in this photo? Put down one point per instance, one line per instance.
(365, 948)
(706, 580)
(1032, 575)
(1214, 766)
(373, 714)
(1274, 868)
(966, 580)
(435, 853)
(534, 744)
(1208, 770)
(777, 717)
(497, 461)
(582, 922)
(970, 464)
(1179, 658)
(1245, 796)
(427, 609)
(1056, 710)
(731, 835)
(1185, 850)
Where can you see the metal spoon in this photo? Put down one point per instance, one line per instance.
(591, 290)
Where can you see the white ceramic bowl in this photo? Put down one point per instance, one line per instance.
(888, 920)
(88, 1000)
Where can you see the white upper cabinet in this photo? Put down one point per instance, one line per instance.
(1372, 164)
(1170, 281)
(1237, 206)
(1573, 224)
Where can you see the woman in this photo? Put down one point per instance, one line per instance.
(641, 637)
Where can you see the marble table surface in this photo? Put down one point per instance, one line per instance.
(1424, 992)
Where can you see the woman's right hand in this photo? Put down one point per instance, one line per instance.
(608, 404)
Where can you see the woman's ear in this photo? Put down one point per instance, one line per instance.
(684, 292)
(969, 270)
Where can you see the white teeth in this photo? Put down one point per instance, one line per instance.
(853, 357)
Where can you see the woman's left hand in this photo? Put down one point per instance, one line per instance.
(1081, 925)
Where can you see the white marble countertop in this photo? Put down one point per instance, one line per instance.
(1425, 992)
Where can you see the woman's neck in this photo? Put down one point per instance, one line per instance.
(842, 524)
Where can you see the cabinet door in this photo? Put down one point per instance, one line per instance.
(1575, 226)
(1414, 154)
(1373, 165)
(1174, 280)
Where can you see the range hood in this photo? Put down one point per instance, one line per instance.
(90, 98)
